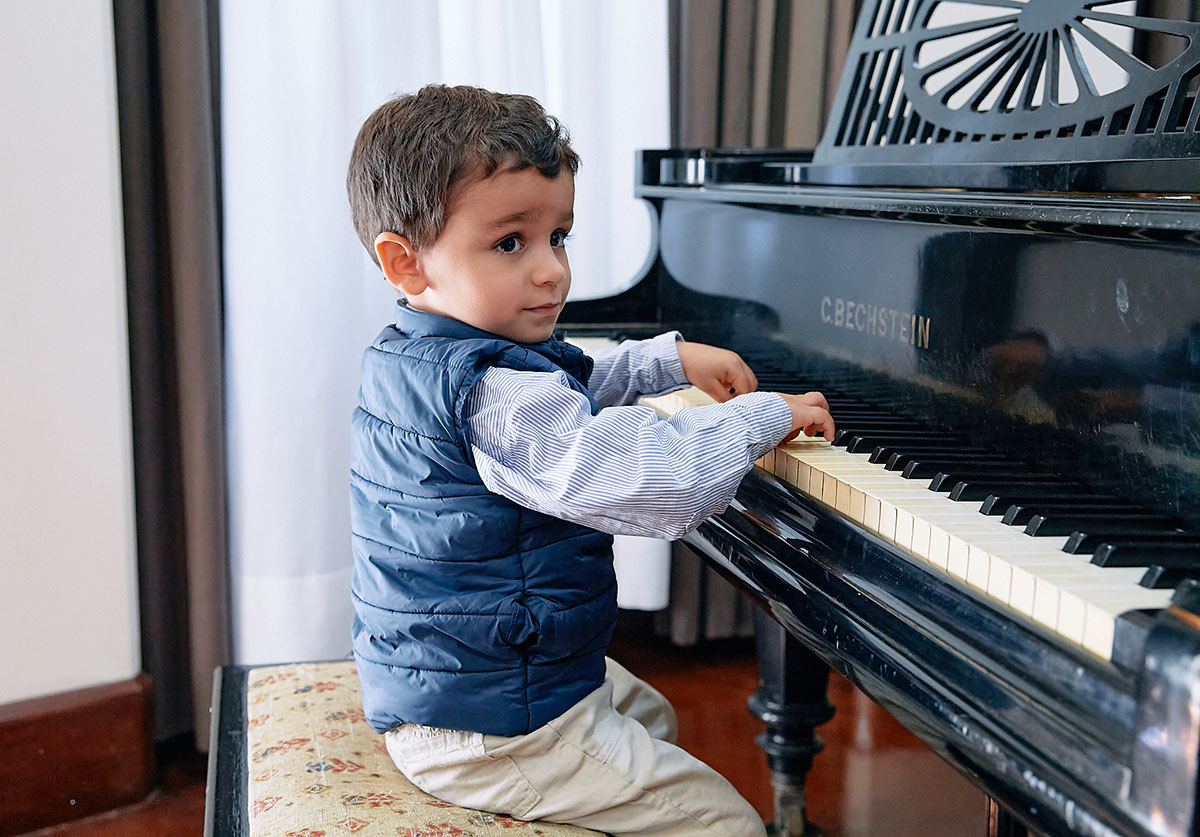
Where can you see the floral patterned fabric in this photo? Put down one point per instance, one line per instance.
(318, 770)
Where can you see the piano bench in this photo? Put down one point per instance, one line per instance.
(291, 755)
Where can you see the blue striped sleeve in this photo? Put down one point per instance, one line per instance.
(634, 368)
(624, 470)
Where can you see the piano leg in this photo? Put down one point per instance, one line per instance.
(1003, 824)
(791, 699)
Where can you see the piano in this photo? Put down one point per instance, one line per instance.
(991, 266)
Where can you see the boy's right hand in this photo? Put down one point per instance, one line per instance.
(810, 415)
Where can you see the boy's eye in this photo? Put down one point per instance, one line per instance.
(558, 238)
(509, 244)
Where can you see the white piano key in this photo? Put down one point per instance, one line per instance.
(920, 537)
(1024, 585)
(1032, 576)
(1103, 609)
(904, 523)
(844, 491)
(857, 510)
(1075, 594)
(829, 490)
(871, 512)
(887, 519)
(1052, 583)
(1004, 551)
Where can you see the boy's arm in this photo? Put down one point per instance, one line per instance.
(624, 470)
(633, 368)
(665, 363)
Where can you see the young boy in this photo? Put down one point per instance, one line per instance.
(492, 463)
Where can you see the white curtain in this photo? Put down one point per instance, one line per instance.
(302, 298)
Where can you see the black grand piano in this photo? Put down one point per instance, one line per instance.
(991, 265)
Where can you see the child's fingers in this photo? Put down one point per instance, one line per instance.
(741, 379)
(816, 399)
(823, 423)
(820, 423)
(750, 379)
(811, 421)
(722, 388)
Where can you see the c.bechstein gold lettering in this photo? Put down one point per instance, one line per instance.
(877, 320)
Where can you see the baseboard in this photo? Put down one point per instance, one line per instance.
(75, 754)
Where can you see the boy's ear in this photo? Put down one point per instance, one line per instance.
(398, 261)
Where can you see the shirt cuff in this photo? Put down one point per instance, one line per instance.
(769, 416)
(665, 368)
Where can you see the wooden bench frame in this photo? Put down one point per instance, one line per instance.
(226, 790)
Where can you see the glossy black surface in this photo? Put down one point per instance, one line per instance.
(1056, 337)
(977, 686)
(1075, 347)
(1029, 331)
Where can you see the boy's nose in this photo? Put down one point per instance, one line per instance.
(549, 270)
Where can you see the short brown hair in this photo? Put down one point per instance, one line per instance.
(414, 149)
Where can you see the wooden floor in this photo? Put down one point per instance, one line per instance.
(175, 808)
(873, 778)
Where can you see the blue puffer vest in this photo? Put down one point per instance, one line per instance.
(471, 612)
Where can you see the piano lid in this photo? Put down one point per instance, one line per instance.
(1025, 95)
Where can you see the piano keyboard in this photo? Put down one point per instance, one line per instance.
(1064, 593)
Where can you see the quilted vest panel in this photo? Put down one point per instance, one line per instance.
(471, 612)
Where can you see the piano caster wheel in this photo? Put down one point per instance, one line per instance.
(790, 809)
(807, 830)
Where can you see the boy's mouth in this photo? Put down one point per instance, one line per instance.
(545, 309)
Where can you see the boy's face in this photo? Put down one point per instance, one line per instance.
(500, 263)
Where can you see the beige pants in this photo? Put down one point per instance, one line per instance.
(607, 763)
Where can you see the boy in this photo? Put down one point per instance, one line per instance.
(491, 463)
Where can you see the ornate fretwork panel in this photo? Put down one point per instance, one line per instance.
(1016, 81)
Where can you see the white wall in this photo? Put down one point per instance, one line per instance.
(68, 584)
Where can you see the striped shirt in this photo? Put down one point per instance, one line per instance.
(625, 470)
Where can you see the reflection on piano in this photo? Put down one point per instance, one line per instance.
(991, 266)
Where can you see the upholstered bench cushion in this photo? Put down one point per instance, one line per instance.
(317, 769)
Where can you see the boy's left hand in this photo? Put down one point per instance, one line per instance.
(720, 373)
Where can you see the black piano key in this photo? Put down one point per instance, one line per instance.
(858, 410)
(1083, 542)
(885, 452)
(1000, 503)
(1117, 554)
(1158, 577)
(867, 415)
(860, 442)
(918, 468)
(1019, 514)
(882, 417)
(847, 429)
(899, 461)
(868, 422)
(1114, 523)
(979, 489)
(870, 444)
(946, 480)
